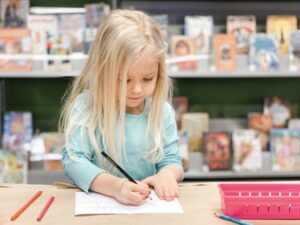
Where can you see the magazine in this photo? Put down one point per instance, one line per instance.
(242, 27)
(183, 46)
(180, 105)
(280, 109)
(263, 52)
(40, 26)
(202, 29)
(294, 51)
(13, 166)
(17, 130)
(285, 148)
(53, 144)
(262, 123)
(217, 153)
(14, 13)
(247, 150)
(195, 124)
(225, 55)
(281, 26)
(15, 42)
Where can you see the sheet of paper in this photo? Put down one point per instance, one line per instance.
(94, 203)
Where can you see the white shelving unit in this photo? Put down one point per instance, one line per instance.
(205, 70)
(195, 171)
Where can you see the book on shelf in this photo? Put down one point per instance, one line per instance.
(17, 130)
(280, 109)
(294, 123)
(281, 26)
(13, 166)
(201, 28)
(2, 106)
(294, 51)
(72, 26)
(183, 146)
(15, 42)
(247, 150)
(94, 15)
(285, 149)
(263, 52)
(53, 144)
(183, 47)
(242, 27)
(163, 21)
(40, 26)
(47, 147)
(58, 46)
(14, 13)
(262, 123)
(181, 106)
(225, 55)
(195, 124)
(88, 37)
(217, 151)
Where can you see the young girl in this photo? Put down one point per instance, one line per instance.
(118, 105)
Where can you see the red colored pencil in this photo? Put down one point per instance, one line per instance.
(46, 207)
(25, 206)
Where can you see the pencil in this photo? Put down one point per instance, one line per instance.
(46, 207)
(120, 169)
(26, 205)
(232, 219)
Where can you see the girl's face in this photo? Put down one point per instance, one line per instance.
(141, 82)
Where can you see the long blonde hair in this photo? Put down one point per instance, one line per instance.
(121, 39)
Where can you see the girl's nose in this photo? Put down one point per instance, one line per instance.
(137, 88)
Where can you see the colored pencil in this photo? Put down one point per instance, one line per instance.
(46, 207)
(26, 205)
(231, 219)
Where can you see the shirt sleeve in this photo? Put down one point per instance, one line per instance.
(78, 157)
(80, 167)
(171, 150)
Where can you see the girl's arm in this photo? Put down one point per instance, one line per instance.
(121, 189)
(165, 182)
(85, 173)
(170, 170)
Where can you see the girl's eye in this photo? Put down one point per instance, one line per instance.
(148, 79)
(128, 81)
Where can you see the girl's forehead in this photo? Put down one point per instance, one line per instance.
(143, 65)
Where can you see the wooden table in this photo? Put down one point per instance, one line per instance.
(199, 201)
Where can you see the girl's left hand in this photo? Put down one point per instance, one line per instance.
(164, 184)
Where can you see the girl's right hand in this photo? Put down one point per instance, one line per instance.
(132, 194)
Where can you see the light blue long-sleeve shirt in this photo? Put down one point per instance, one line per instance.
(84, 170)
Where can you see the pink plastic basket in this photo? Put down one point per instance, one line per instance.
(260, 201)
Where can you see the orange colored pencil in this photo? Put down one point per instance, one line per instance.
(25, 206)
(46, 207)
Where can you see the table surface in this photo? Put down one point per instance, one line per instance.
(199, 202)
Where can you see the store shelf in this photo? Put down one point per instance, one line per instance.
(195, 171)
(235, 74)
(205, 70)
(40, 74)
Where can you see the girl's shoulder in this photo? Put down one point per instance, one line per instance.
(79, 111)
(168, 109)
(81, 101)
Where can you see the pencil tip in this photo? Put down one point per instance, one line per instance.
(217, 214)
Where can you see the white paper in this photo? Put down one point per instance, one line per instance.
(93, 203)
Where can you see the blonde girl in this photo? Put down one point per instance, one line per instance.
(118, 105)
